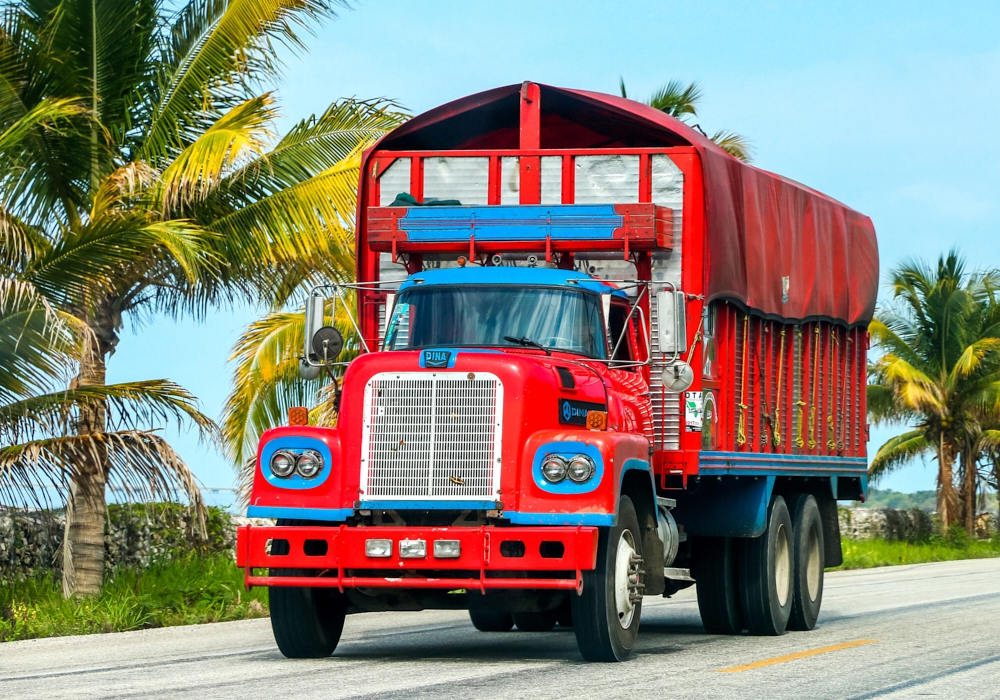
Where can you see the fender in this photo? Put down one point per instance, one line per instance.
(594, 503)
(729, 506)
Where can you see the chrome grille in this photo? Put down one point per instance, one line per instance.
(432, 436)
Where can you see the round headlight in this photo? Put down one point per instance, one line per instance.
(282, 464)
(580, 468)
(554, 469)
(309, 464)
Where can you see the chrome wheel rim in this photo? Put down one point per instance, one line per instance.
(813, 568)
(782, 565)
(626, 579)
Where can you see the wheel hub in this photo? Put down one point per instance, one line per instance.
(782, 565)
(628, 586)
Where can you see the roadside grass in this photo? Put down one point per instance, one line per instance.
(186, 591)
(868, 554)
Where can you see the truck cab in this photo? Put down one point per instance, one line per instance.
(593, 366)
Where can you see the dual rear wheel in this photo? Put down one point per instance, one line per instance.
(766, 584)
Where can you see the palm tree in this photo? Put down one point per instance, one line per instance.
(140, 175)
(939, 370)
(681, 101)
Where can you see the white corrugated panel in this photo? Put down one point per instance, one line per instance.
(464, 179)
(606, 179)
(551, 180)
(432, 436)
(510, 180)
(394, 180)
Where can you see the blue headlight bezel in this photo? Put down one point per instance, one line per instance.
(296, 445)
(567, 450)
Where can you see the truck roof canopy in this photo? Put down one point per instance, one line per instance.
(772, 244)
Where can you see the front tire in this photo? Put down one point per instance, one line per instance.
(307, 622)
(491, 620)
(808, 546)
(606, 614)
(766, 568)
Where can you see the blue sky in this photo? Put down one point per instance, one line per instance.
(890, 107)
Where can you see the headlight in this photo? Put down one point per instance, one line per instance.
(309, 464)
(282, 464)
(554, 469)
(580, 468)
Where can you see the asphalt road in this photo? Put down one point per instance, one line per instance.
(931, 630)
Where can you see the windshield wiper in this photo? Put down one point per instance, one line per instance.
(528, 343)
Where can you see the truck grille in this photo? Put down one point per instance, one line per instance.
(432, 436)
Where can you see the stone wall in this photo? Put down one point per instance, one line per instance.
(911, 525)
(135, 536)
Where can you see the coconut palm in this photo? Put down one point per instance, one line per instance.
(939, 371)
(140, 174)
(681, 102)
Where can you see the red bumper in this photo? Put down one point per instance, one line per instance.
(337, 557)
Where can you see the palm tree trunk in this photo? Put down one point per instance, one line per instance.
(83, 544)
(969, 490)
(947, 503)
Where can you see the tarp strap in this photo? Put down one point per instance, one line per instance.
(741, 428)
(776, 426)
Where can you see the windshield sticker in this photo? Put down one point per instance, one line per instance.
(693, 408)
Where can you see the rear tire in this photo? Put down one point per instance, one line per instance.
(536, 621)
(492, 620)
(766, 568)
(606, 615)
(716, 572)
(809, 551)
(307, 622)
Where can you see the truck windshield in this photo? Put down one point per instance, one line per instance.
(559, 319)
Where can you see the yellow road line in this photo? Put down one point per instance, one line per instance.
(796, 656)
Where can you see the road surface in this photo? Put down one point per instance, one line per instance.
(931, 630)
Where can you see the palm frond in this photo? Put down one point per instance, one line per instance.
(734, 144)
(129, 406)
(217, 49)
(897, 452)
(141, 467)
(237, 136)
(676, 99)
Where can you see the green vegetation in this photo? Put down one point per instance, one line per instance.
(879, 498)
(868, 554)
(937, 370)
(182, 592)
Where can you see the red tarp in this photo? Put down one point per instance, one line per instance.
(760, 227)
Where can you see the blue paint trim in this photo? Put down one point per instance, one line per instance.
(743, 464)
(331, 514)
(428, 505)
(453, 357)
(515, 276)
(296, 444)
(567, 449)
(560, 222)
(587, 519)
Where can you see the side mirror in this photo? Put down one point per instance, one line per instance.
(323, 343)
(677, 377)
(671, 324)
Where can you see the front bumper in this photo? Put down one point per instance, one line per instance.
(335, 557)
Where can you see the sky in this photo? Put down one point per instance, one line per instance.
(890, 107)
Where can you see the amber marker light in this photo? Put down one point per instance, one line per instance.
(298, 415)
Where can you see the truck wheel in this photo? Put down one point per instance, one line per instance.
(307, 622)
(808, 546)
(491, 620)
(606, 615)
(766, 567)
(536, 621)
(715, 575)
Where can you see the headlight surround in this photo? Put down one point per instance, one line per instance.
(554, 469)
(282, 464)
(309, 464)
(580, 469)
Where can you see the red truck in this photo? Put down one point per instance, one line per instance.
(601, 359)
